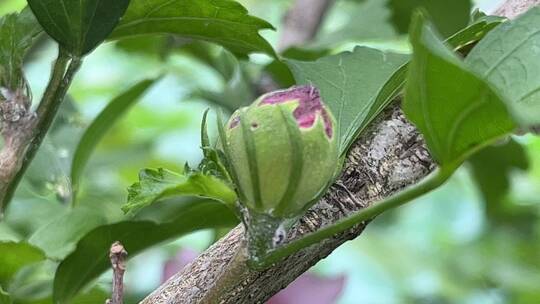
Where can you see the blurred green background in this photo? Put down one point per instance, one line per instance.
(475, 240)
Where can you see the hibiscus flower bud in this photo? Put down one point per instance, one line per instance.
(283, 151)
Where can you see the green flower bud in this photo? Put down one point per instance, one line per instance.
(283, 151)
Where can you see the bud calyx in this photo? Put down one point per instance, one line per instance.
(283, 151)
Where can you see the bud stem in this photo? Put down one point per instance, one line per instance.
(264, 232)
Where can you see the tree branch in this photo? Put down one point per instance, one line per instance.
(23, 136)
(513, 8)
(387, 157)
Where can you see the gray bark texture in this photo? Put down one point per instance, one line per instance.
(389, 156)
(17, 122)
(513, 8)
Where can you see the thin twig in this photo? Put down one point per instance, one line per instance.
(117, 255)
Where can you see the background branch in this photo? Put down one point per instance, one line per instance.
(387, 157)
(302, 22)
(513, 8)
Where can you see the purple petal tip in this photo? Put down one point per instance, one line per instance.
(310, 105)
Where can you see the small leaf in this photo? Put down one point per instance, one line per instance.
(474, 32)
(212, 163)
(17, 32)
(455, 110)
(154, 185)
(4, 297)
(99, 127)
(91, 257)
(205, 139)
(350, 84)
(78, 26)
(509, 58)
(478, 16)
(449, 16)
(14, 256)
(223, 22)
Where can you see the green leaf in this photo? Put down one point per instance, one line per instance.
(33, 284)
(388, 81)
(212, 163)
(491, 168)
(449, 16)
(90, 259)
(78, 26)
(478, 16)
(351, 84)
(95, 295)
(279, 70)
(28, 214)
(8, 234)
(474, 32)
(393, 85)
(14, 256)
(158, 184)
(59, 237)
(4, 297)
(456, 111)
(223, 22)
(17, 32)
(99, 127)
(509, 58)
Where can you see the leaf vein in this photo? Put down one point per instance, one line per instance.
(510, 52)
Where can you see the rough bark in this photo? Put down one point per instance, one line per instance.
(513, 8)
(17, 122)
(387, 157)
